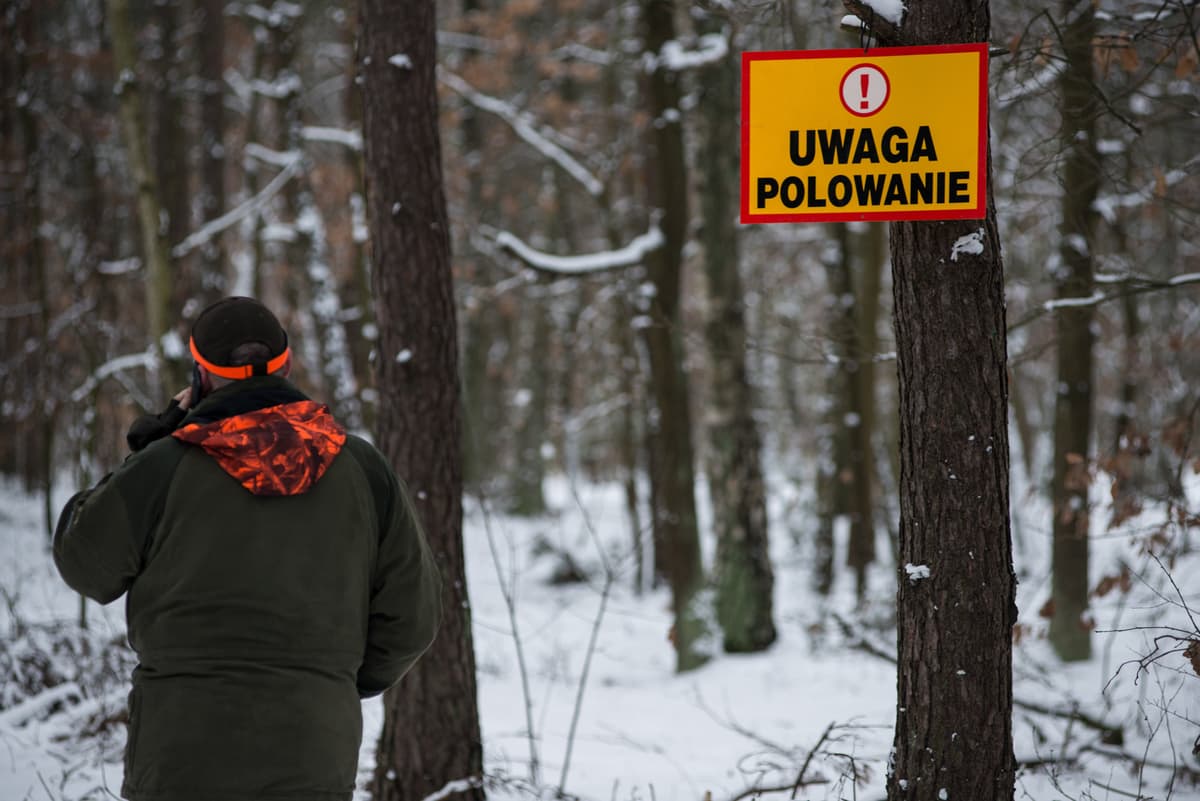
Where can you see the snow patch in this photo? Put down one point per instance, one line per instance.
(916, 572)
(971, 244)
(401, 61)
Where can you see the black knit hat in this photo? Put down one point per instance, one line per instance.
(232, 322)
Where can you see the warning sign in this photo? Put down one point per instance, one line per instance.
(892, 134)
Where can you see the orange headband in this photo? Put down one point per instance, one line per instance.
(241, 371)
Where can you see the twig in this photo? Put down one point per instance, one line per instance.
(1107, 730)
(510, 604)
(808, 759)
(609, 576)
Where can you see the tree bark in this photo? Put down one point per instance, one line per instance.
(1069, 632)
(954, 705)
(674, 503)
(211, 44)
(155, 255)
(742, 573)
(431, 724)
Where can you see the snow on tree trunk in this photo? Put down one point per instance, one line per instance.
(953, 734)
(431, 722)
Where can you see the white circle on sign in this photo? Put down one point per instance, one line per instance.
(865, 90)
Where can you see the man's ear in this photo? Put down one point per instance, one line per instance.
(205, 379)
(286, 370)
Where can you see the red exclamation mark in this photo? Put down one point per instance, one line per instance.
(864, 81)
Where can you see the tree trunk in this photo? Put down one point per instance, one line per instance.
(170, 135)
(674, 503)
(155, 256)
(1069, 631)
(743, 576)
(835, 476)
(431, 724)
(954, 705)
(211, 43)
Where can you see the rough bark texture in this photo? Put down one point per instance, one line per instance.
(211, 45)
(155, 255)
(1069, 632)
(742, 573)
(431, 725)
(676, 535)
(170, 134)
(954, 707)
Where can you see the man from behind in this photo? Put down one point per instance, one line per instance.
(274, 571)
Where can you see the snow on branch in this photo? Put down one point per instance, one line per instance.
(276, 158)
(206, 232)
(1108, 205)
(1074, 303)
(880, 17)
(317, 133)
(452, 787)
(20, 713)
(146, 359)
(525, 128)
(629, 256)
(711, 48)
(1032, 85)
(1127, 285)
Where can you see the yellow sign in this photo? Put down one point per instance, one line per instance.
(892, 134)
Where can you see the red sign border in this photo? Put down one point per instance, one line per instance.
(978, 212)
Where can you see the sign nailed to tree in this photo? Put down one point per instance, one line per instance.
(891, 134)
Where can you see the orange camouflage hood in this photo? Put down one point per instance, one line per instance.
(279, 450)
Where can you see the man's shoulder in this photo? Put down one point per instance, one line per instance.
(379, 472)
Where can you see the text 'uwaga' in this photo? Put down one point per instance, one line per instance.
(858, 146)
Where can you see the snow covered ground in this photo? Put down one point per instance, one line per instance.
(646, 734)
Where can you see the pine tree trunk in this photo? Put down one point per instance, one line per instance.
(674, 503)
(211, 43)
(1069, 632)
(431, 724)
(155, 255)
(742, 573)
(954, 706)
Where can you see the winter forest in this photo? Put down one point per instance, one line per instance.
(812, 511)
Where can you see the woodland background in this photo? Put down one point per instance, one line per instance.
(686, 360)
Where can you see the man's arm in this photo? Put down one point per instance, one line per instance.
(406, 597)
(102, 532)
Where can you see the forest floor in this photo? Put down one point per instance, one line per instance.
(645, 733)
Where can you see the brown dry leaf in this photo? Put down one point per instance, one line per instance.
(1047, 610)
(1014, 44)
(1186, 66)
(1129, 58)
(1107, 584)
(1160, 183)
(1124, 508)
(1177, 435)
(1192, 652)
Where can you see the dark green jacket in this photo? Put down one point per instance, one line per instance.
(275, 573)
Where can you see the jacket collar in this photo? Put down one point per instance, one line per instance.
(241, 397)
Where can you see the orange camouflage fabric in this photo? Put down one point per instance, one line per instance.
(279, 450)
